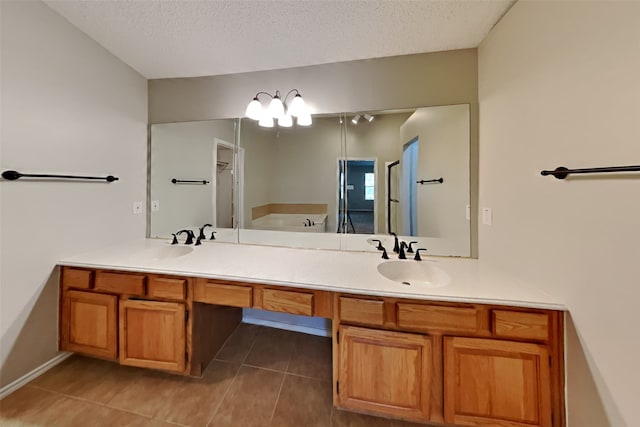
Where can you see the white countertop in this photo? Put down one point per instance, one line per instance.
(338, 271)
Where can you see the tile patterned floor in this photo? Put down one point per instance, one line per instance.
(261, 377)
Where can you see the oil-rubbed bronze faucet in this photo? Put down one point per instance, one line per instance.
(396, 248)
(401, 254)
(417, 257)
(202, 236)
(190, 236)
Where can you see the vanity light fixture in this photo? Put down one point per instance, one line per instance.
(368, 117)
(356, 119)
(278, 109)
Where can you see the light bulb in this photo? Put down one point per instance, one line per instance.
(276, 107)
(254, 109)
(304, 120)
(355, 119)
(297, 106)
(368, 117)
(285, 121)
(266, 121)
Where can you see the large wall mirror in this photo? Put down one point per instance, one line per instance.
(335, 184)
(192, 178)
(360, 174)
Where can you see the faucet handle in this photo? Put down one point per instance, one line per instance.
(213, 235)
(417, 257)
(190, 235)
(175, 239)
(379, 246)
(409, 248)
(396, 248)
(401, 254)
(202, 236)
(384, 253)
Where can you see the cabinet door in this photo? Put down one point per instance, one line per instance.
(89, 324)
(152, 334)
(385, 372)
(492, 382)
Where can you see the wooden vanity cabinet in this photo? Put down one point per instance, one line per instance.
(141, 319)
(153, 334)
(385, 372)
(89, 324)
(448, 363)
(496, 382)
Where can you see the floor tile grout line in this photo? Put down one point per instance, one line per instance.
(275, 406)
(104, 405)
(215, 356)
(70, 396)
(224, 396)
(253, 343)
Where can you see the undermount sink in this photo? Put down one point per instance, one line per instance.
(166, 252)
(414, 273)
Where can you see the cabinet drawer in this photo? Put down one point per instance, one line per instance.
(212, 292)
(441, 318)
(160, 287)
(516, 324)
(76, 278)
(357, 310)
(287, 302)
(128, 284)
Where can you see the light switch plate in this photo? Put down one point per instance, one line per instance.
(137, 207)
(487, 216)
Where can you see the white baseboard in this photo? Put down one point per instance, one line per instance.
(288, 326)
(10, 388)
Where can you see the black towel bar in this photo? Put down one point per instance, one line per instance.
(429, 181)
(15, 175)
(186, 181)
(561, 172)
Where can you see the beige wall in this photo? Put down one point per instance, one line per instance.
(443, 152)
(559, 85)
(68, 106)
(440, 78)
(258, 171)
(409, 81)
(185, 151)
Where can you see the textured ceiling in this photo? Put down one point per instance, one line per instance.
(160, 38)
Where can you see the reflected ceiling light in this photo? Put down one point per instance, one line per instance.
(368, 117)
(356, 119)
(278, 109)
(304, 120)
(266, 121)
(286, 121)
